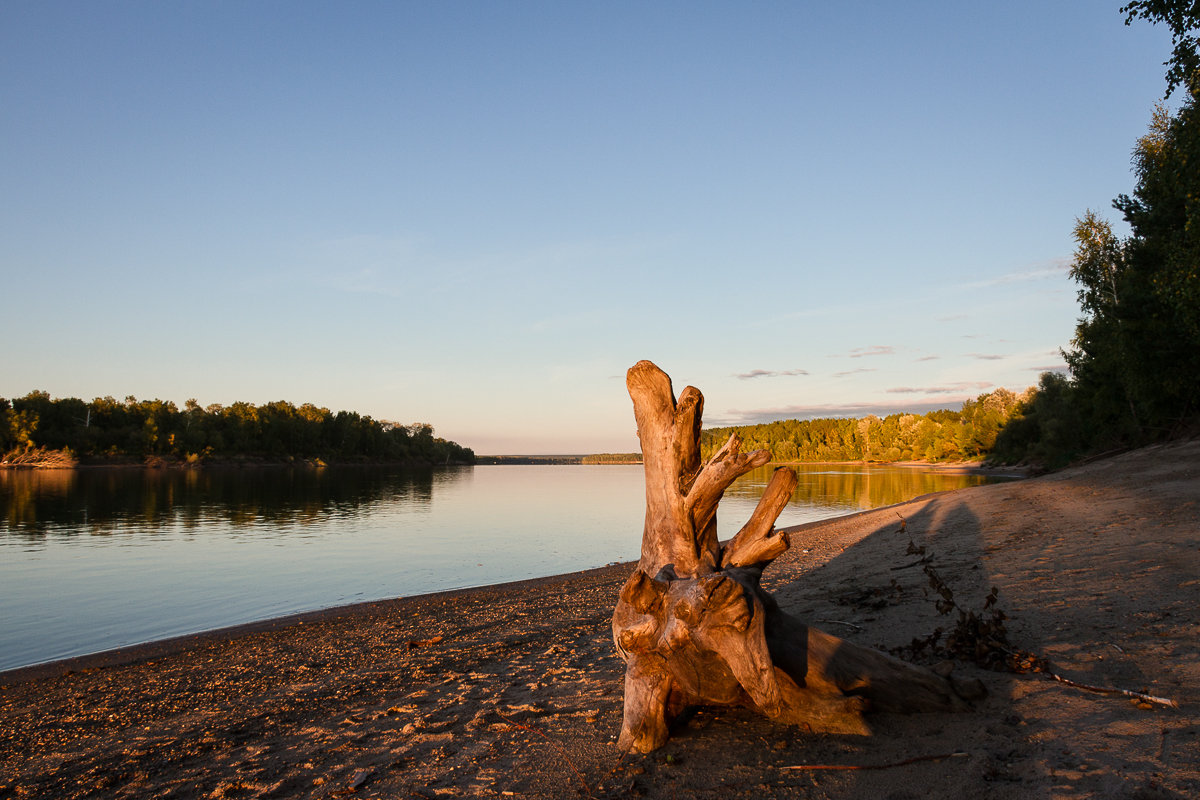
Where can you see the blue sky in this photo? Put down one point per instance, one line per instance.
(479, 215)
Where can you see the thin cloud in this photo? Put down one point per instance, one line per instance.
(954, 388)
(852, 410)
(1062, 368)
(986, 356)
(928, 358)
(873, 350)
(770, 373)
(854, 372)
(1055, 268)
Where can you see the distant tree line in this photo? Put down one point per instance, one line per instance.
(527, 460)
(108, 430)
(613, 458)
(943, 435)
(1135, 358)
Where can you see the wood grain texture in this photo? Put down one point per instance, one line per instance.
(693, 624)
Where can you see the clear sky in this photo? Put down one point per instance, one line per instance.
(480, 214)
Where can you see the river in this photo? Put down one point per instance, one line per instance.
(96, 559)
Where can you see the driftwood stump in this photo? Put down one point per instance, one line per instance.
(692, 623)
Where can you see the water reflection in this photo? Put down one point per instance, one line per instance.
(101, 558)
(95, 559)
(826, 490)
(38, 503)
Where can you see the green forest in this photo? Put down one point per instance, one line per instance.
(944, 435)
(36, 430)
(612, 458)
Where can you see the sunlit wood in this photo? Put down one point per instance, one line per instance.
(692, 623)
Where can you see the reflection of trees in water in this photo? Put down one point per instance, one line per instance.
(20, 490)
(102, 502)
(98, 501)
(864, 487)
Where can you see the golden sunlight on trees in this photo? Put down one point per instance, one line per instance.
(944, 435)
(135, 430)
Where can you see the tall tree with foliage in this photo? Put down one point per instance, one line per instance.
(1099, 358)
(1160, 301)
(1135, 357)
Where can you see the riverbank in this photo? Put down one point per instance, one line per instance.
(515, 689)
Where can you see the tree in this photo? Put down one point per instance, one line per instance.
(21, 427)
(1135, 357)
(1097, 265)
(1047, 427)
(1099, 358)
(868, 429)
(1158, 305)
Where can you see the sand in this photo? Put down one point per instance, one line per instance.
(515, 690)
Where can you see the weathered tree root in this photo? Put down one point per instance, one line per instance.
(692, 622)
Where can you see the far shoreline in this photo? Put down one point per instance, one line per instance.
(946, 467)
(231, 463)
(173, 462)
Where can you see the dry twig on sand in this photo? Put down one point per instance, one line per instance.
(1145, 698)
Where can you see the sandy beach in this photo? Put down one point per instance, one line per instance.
(515, 690)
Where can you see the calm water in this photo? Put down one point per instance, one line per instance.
(96, 559)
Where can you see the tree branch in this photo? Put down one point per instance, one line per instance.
(758, 543)
(725, 467)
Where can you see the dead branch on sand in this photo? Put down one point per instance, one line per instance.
(1145, 698)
